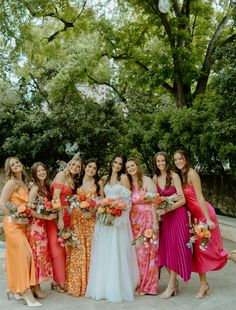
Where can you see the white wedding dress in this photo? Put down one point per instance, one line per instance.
(114, 271)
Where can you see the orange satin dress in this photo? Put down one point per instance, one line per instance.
(78, 260)
(19, 258)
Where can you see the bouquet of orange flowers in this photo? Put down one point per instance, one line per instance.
(147, 238)
(86, 202)
(109, 209)
(199, 231)
(21, 212)
(67, 237)
(160, 204)
(43, 206)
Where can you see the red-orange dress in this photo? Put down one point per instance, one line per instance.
(78, 260)
(57, 252)
(214, 257)
(19, 258)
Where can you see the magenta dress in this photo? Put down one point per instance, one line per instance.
(214, 257)
(174, 236)
(141, 219)
(57, 252)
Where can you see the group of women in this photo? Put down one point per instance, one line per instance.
(107, 266)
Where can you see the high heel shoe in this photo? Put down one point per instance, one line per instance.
(30, 301)
(169, 292)
(15, 295)
(57, 287)
(203, 292)
(232, 256)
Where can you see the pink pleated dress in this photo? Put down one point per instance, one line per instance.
(174, 253)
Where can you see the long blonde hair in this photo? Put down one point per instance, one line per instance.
(71, 180)
(8, 171)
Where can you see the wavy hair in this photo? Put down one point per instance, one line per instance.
(8, 171)
(96, 177)
(122, 170)
(73, 181)
(168, 171)
(183, 174)
(44, 190)
(139, 172)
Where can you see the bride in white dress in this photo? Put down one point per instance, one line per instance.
(114, 271)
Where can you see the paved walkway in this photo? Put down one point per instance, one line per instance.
(222, 284)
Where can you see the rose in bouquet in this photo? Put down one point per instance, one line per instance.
(86, 202)
(66, 236)
(147, 238)
(160, 205)
(199, 231)
(109, 209)
(148, 197)
(43, 206)
(19, 212)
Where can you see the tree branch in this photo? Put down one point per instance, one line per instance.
(208, 61)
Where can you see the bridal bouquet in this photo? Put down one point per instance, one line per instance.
(199, 231)
(148, 197)
(147, 238)
(109, 209)
(21, 212)
(67, 237)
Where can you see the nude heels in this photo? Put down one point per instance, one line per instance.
(15, 295)
(29, 299)
(202, 293)
(169, 292)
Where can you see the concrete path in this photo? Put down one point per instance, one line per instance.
(222, 284)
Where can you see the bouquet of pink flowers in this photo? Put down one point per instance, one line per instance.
(199, 231)
(66, 236)
(21, 212)
(109, 209)
(147, 238)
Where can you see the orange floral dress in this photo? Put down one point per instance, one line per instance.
(19, 258)
(78, 260)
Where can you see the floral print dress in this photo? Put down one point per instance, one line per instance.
(141, 219)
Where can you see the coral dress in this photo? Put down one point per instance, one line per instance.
(214, 257)
(113, 271)
(174, 236)
(19, 257)
(37, 236)
(78, 260)
(141, 218)
(57, 252)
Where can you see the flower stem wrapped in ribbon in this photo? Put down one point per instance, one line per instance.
(109, 209)
(199, 231)
(147, 238)
(66, 236)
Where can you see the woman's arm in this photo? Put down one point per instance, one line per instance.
(179, 191)
(125, 181)
(101, 188)
(7, 190)
(59, 179)
(151, 187)
(194, 179)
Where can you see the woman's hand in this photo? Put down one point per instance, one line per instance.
(22, 220)
(51, 216)
(211, 224)
(155, 227)
(60, 223)
(161, 212)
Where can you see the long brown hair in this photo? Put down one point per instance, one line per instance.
(44, 190)
(183, 174)
(168, 171)
(139, 172)
(8, 171)
(122, 170)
